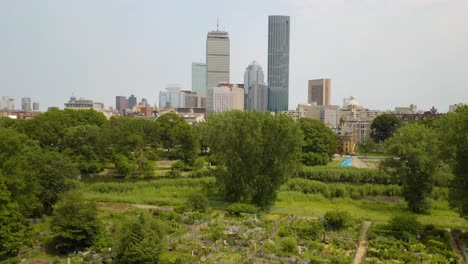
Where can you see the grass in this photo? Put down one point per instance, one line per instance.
(378, 211)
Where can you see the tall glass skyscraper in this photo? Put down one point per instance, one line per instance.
(278, 63)
(255, 89)
(217, 62)
(199, 80)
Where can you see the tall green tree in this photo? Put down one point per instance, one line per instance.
(16, 154)
(56, 174)
(258, 152)
(384, 126)
(141, 241)
(179, 137)
(74, 223)
(320, 143)
(12, 230)
(414, 151)
(453, 132)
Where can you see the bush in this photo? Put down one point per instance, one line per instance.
(306, 229)
(333, 190)
(176, 170)
(288, 245)
(354, 175)
(337, 219)
(403, 225)
(313, 159)
(197, 202)
(237, 208)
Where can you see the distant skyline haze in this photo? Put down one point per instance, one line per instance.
(385, 53)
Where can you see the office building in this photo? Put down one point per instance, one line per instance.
(225, 97)
(199, 80)
(217, 61)
(82, 104)
(132, 102)
(8, 103)
(255, 89)
(35, 106)
(190, 99)
(121, 104)
(319, 91)
(309, 110)
(278, 63)
(26, 104)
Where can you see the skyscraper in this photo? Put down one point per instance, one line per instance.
(278, 63)
(255, 89)
(217, 61)
(121, 103)
(199, 80)
(26, 104)
(132, 101)
(319, 91)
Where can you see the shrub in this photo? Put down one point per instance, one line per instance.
(197, 202)
(313, 159)
(336, 219)
(176, 169)
(340, 174)
(306, 229)
(403, 224)
(238, 208)
(288, 245)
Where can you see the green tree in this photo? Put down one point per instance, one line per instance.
(16, 154)
(87, 145)
(320, 142)
(367, 145)
(74, 223)
(453, 132)
(259, 152)
(12, 231)
(141, 241)
(414, 151)
(384, 126)
(56, 174)
(179, 137)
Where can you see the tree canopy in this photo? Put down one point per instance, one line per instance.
(258, 151)
(414, 151)
(141, 241)
(74, 223)
(453, 131)
(384, 126)
(320, 142)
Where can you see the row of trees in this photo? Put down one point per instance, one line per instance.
(421, 150)
(41, 158)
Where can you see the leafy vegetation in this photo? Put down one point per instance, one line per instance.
(320, 142)
(415, 158)
(255, 167)
(74, 223)
(384, 126)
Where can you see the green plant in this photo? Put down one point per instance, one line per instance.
(288, 245)
(237, 208)
(197, 202)
(337, 219)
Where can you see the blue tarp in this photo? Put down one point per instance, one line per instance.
(347, 162)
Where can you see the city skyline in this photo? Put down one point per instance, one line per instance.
(129, 49)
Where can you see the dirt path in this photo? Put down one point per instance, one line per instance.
(455, 247)
(362, 248)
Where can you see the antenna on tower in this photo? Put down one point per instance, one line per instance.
(217, 23)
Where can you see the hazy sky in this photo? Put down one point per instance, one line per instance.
(387, 53)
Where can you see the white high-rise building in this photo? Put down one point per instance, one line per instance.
(255, 89)
(226, 97)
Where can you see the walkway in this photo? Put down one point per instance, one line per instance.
(362, 248)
